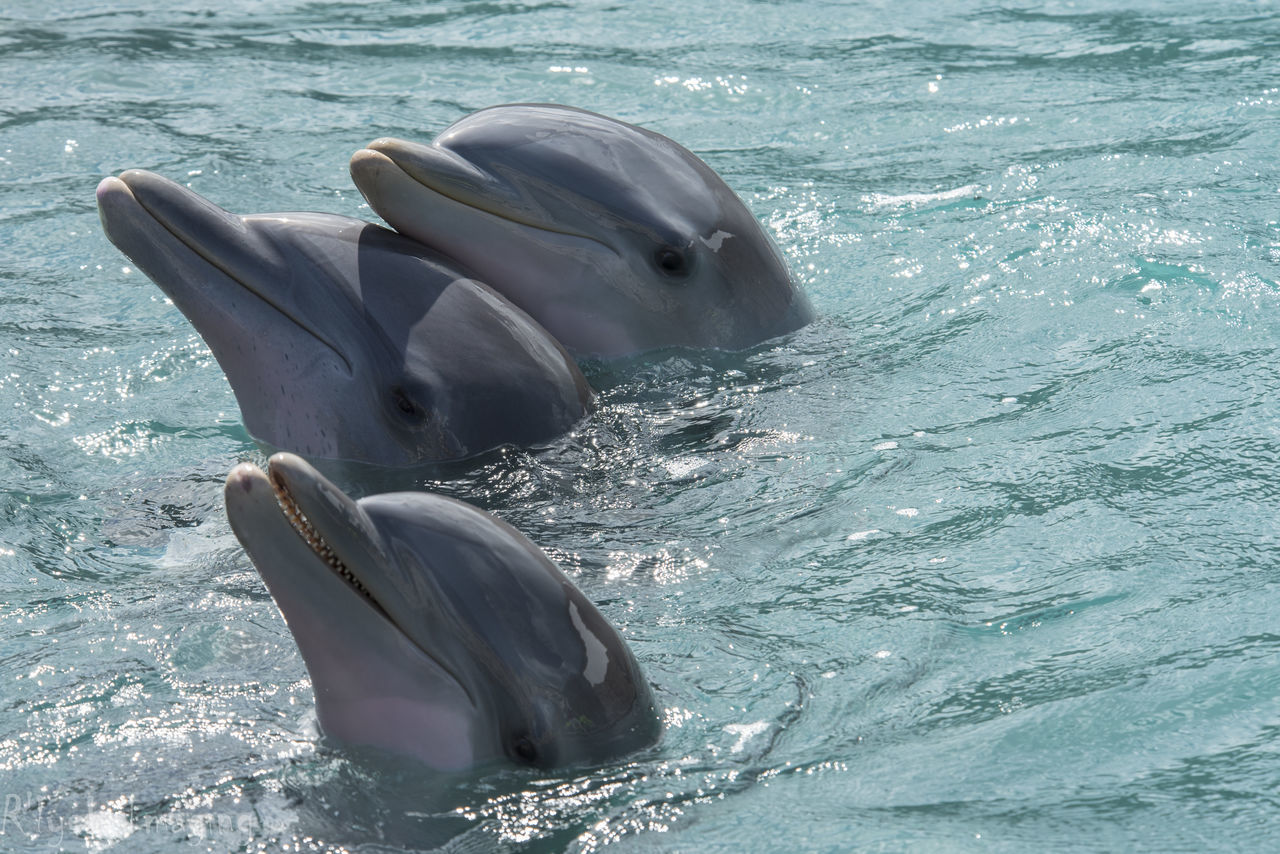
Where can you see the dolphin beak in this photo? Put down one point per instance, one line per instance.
(434, 167)
(420, 181)
(298, 510)
(293, 516)
(183, 241)
(114, 201)
(390, 167)
(218, 236)
(329, 521)
(372, 685)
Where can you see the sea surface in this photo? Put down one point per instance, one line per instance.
(984, 559)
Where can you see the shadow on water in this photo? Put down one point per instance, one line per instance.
(666, 403)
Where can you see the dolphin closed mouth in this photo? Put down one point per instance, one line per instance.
(615, 238)
(342, 339)
(139, 201)
(444, 172)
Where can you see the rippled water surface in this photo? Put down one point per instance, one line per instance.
(983, 559)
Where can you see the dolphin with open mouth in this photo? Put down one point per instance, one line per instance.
(342, 339)
(615, 238)
(435, 630)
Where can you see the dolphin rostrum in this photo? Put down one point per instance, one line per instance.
(435, 630)
(342, 339)
(615, 238)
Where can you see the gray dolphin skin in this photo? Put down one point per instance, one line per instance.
(434, 630)
(615, 238)
(342, 339)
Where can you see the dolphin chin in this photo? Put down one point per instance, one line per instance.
(432, 629)
(342, 339)
(616, 239)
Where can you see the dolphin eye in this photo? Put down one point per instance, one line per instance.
(671, 261)
(405, 404)
(524, 749)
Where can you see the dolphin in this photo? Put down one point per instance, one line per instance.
(434, 630)
(342, 339)
(615, 238)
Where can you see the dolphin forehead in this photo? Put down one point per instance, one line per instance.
(618, 170)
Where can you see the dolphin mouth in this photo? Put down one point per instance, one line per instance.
(303, 527)
(200, 226)
(279, 469)
(450, 175)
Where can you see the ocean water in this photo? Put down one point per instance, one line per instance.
(984, 559)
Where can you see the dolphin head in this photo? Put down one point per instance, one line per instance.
(342, 339)
(615, 238)
(432, 629)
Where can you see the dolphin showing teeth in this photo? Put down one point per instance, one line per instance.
(434, 630)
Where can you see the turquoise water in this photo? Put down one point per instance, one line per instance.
(983, 560)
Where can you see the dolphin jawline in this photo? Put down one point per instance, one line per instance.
(311, 536)
(391, 151)
(203, 253)
(303, 527)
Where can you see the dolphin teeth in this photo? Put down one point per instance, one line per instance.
(302, 525)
